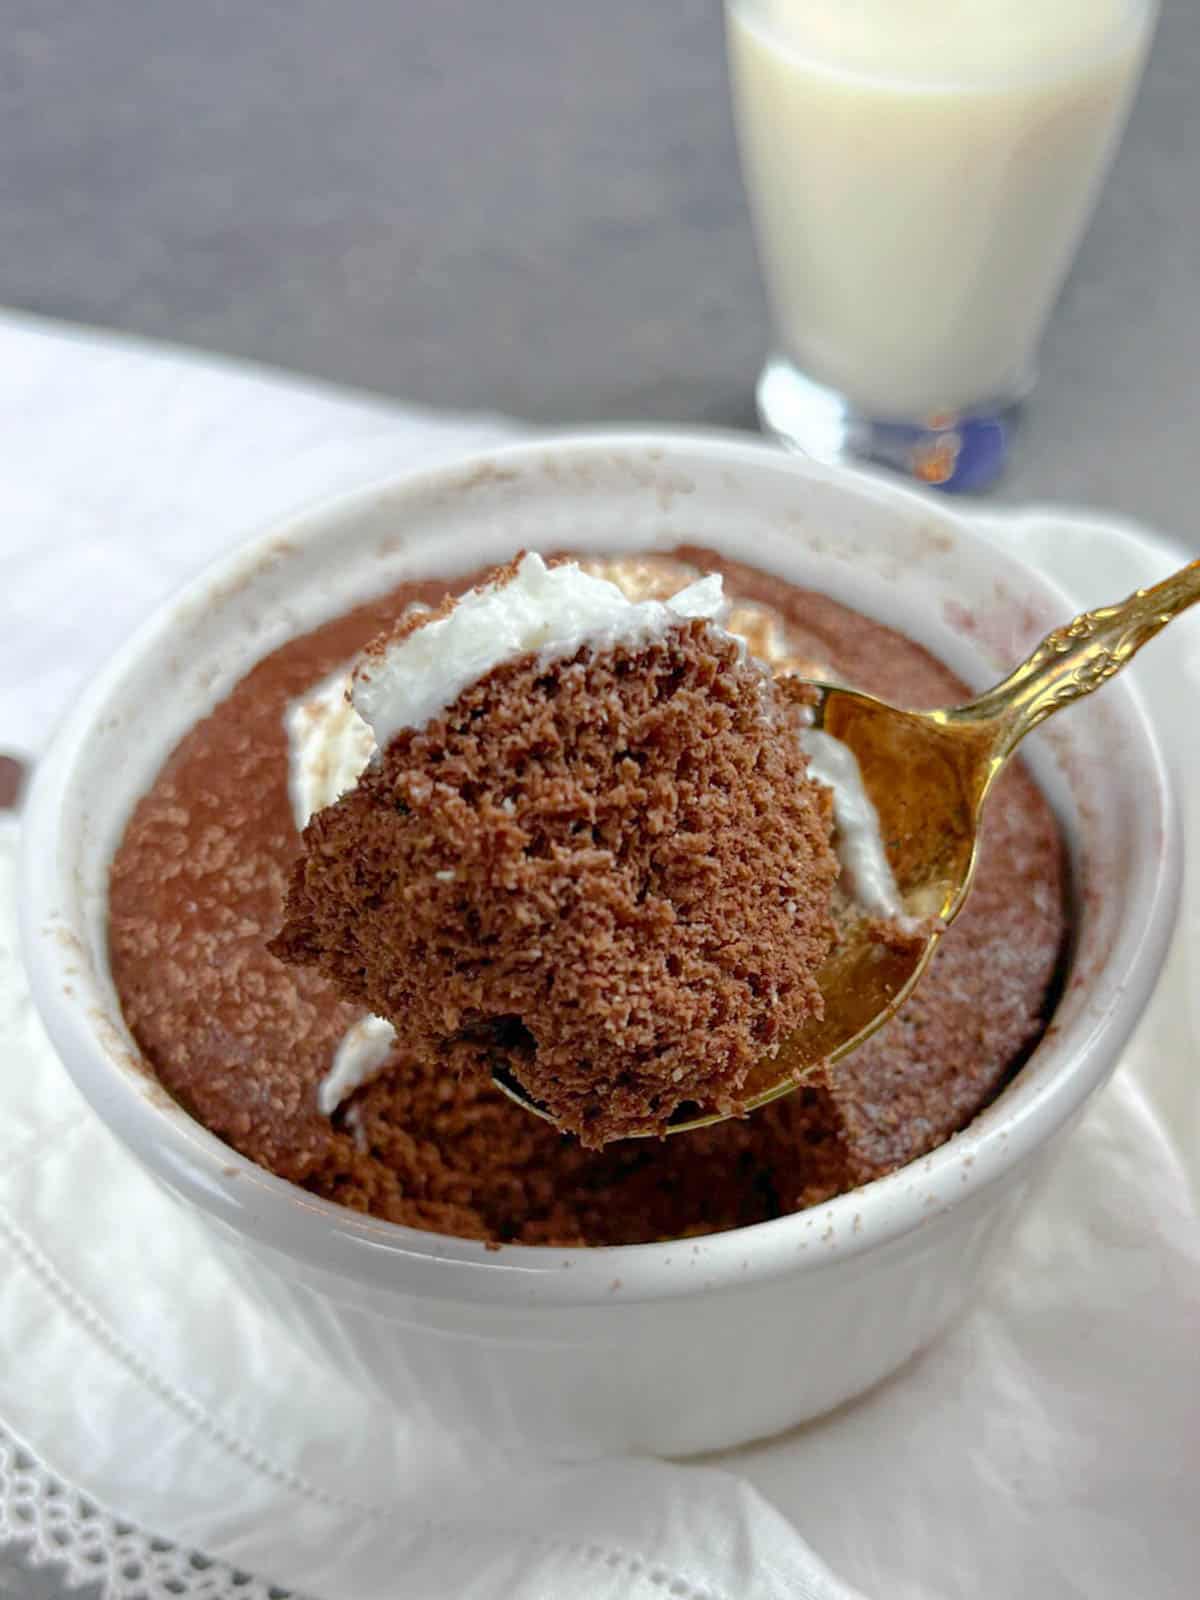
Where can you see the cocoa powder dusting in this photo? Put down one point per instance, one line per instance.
(243, 1041)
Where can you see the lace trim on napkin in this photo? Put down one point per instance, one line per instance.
(52, 1524)
(14, 1525)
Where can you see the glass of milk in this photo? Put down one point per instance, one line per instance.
(920, 173)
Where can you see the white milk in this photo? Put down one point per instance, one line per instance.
(920, 173)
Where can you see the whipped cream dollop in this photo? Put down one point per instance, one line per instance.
(364, 1047)
(329, 744)
(866, 875)
(550, 611)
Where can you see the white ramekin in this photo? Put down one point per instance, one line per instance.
(676, 1347)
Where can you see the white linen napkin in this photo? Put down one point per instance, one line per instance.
(1046, 1446)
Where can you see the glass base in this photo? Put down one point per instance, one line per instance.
(960, 454)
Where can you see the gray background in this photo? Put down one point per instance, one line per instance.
(530, 205)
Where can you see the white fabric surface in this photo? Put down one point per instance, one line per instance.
(1047, 1447)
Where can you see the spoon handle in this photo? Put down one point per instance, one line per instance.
(1075, 659)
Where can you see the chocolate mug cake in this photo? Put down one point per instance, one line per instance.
(276, 1060)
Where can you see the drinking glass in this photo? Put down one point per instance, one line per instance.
(919, 179)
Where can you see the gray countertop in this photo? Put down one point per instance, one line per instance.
(531, 207)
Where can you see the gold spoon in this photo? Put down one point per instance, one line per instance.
(928, 774)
